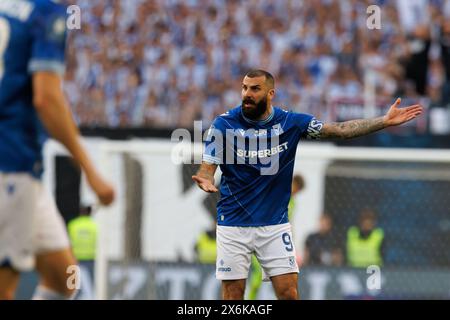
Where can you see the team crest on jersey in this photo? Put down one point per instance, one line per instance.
(277, 129)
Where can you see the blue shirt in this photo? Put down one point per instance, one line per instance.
(32, 39)
(257, 162)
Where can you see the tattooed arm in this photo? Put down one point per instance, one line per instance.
(205, 177)
(352, 128)
(361, 127)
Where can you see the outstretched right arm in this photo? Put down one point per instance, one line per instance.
(205, 177)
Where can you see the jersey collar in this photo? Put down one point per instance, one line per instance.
(259, 122)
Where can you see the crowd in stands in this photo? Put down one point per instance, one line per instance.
(166, 63)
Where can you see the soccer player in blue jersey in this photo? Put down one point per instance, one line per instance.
(254, 144)
(32, 105)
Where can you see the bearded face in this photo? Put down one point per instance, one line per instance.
(254, 109)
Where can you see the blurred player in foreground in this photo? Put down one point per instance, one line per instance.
(253, 209)
(32, 103)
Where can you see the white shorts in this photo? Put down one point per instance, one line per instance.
(272, 245)
(30, 223)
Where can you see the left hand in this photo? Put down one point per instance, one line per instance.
(396, 116)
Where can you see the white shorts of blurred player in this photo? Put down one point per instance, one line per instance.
(30, 222)
(272, 245)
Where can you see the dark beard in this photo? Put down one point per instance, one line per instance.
(254, 113)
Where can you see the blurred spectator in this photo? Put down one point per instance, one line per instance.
(365, 242)
(205, 247)
(415, 21)
(83, 235)
(83, 231)
(444, 39)
(167, 63)
(298, 184)
(324, 248)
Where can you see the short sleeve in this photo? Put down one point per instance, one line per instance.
(308, 125)
(313, 130)
(49, 40)
(214, 144)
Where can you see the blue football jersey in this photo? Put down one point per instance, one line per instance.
(257, 162)
(32, 39)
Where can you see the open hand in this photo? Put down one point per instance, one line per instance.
(205, 184)
(396, 116)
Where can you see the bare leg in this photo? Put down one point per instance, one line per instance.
(285, 286)
(52, 268)
(9, 279)
(233, 289)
